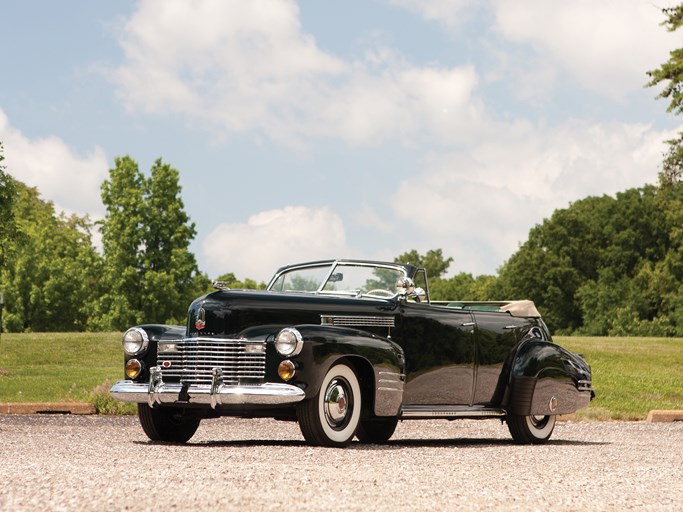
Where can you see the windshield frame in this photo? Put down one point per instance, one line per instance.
(334, 266)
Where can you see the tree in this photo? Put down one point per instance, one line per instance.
(49, 278)
(8, 194)
(671, 74)
(433, 261)
(605, 265)
(232, 282)
(150, 275)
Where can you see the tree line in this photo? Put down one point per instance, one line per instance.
(603, 266)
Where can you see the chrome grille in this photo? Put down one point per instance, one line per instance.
(191, 360)
(357, 321)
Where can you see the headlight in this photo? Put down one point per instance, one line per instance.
(135, 341)
(289, 342)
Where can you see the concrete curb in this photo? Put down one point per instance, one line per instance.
(664, 416)
(47, 408)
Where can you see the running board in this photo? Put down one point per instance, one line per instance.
(449, 412)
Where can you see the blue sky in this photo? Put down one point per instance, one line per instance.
(306, 130)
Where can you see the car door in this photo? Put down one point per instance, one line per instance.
(439, 351)
(496, 338)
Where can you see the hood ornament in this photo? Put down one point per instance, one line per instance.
(200, 323)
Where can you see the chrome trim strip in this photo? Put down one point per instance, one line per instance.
(357, 320)
(584, 385)
(216, 394)
(450, 411)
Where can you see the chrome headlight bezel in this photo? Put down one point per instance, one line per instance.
(135, 341)
(289, 342)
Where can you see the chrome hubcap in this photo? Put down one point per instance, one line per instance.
(336, 403)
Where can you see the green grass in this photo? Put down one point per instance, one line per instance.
(61, 367)
(631, 376)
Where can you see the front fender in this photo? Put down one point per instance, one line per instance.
(548, 379)
(378, 362)
(155, 333)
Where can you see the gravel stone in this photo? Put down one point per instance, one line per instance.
(65, 463)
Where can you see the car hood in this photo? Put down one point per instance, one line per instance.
(236, 313)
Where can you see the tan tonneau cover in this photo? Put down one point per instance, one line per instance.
(521, 308)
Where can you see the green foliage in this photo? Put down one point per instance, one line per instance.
(465, 287)
(671, 75)
(104, 403)
(8, 194)
(232, 282)
(433, 261)
(149, 273)
(671, 72)
(601, 257)
(49, 277)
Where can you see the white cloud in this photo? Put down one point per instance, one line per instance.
(71, 181)
(449, 12)
(249, 66)
(478, 206)
(273, 238)
(606, 46)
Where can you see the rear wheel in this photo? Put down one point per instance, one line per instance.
(332, 416)
(376, 430)
(167, 424)
(530, 429)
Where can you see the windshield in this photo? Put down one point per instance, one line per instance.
(342, 278)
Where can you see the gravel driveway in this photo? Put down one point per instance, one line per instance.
(106, 463)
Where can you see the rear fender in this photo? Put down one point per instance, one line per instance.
(548, 379)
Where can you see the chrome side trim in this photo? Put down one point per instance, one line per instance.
(449, 411)
(216, 394)
(357, 321)
(584, 385)
(389, 392)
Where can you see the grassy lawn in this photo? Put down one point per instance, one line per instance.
(631, 376)
(59, 367)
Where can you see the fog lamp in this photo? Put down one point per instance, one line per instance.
(286, 370)
(133, 368)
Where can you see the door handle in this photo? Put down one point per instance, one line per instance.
(468, 324)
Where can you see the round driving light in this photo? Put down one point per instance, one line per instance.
(289, 342)
(286, 370)
(135, 341)
(133, 368)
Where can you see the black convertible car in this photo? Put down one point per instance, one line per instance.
(349, 348)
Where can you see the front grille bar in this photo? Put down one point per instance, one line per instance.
(193, 360)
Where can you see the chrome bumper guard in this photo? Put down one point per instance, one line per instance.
(215, 394)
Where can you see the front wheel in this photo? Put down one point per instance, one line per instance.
(530, 429)
(168, 424)
(376, 431)
(332, 416)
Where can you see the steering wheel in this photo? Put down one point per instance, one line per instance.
(380, 291)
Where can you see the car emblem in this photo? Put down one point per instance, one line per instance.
(166, 364)
(201, 319)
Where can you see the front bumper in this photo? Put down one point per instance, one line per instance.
(214, 394)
